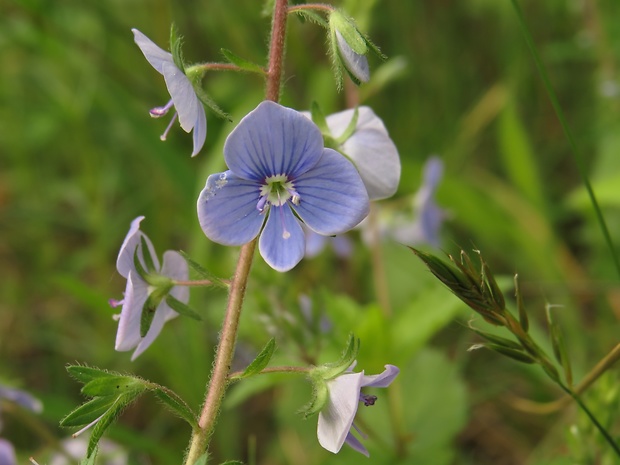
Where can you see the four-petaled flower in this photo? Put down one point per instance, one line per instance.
(138, 290)
(370, 148)
(345, 394)
(279, 171)
(187, 105)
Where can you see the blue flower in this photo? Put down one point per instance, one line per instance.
(7, 453)
(429, 216)
(24, 400)
(279, 172)
(138, 290)
(187, 105)
(369, 147)
(336, 418)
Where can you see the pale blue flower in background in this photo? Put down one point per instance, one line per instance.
(187, 105)
(425, 227)
(315, 243)
(280, 173)
(369, 147)
(138, 290)
(24, 400)
(345, 394)
(108, 452)
(7, 453)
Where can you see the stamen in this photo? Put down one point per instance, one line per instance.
(158, 112)
(165, 134)
(368, 400)
(260, 206)
(115, 303)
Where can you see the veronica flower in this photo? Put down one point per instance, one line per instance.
(355, 63)
(280, 173)
(187, 105)
(429, 216)
(369, 147)
(138, 289)
(345, 394)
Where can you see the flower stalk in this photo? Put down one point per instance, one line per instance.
(226, 346)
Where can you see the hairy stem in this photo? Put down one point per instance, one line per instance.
(228, 336)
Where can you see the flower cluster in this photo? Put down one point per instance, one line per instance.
(148, 285)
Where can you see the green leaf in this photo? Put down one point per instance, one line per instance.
(88, 412)
(176, 405)
(85, 374)
(261, 360)
(113, 386)
(242, 62)
(181, 308)
(203, 272)
(108, 418)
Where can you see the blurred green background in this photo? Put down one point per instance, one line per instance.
(80, 158)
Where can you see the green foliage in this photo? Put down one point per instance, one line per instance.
(261, 360)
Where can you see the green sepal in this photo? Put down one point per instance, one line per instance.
(320, 395)
(148, 310)
(242, 63)
(208, 101)
(146, 254)
(376, 50)
(85, 374)
(518, 355)
(112, 386)
(318, 118)
(181, 308)
(336, 61)
(108, 418)
(203, 272)
(177, 405)
(261, 360)
(88, 412)
(350, 129)
(313, 17)
(176, 42)
(501, 341)
(523, 319)
(138, 266)
(331, 370)
(351, 35)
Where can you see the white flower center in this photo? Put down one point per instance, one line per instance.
(276, 191)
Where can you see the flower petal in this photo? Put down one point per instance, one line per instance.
(333, 198)
(175, 267)
(7, 453)
(133, 239)
(128, 333)
(21, 398)
(356, 444)
(227, 209)
(272, 140)
(383, 379)
(186, 102)
(337, 416)
(282, 242)
(371, 149)
(155, 55)
(162, 314)
(200, 129)
(356, 64)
